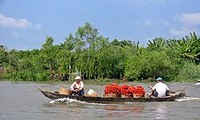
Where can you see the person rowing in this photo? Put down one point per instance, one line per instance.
(77, 88)
(160, 89)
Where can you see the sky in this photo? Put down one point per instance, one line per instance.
(25, 24)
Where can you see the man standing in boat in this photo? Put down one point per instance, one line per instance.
(77, 87)
(160, 89)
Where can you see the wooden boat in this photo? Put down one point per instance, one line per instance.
(55, 95)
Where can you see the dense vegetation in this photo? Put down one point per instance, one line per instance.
(95, 57)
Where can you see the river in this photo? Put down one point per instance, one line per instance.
(23, 101)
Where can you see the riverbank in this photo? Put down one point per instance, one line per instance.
(101, 82)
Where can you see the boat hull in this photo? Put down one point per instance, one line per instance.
(53, 96)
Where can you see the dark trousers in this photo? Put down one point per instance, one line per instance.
(155, 93)
(79, 93)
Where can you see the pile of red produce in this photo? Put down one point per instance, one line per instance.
(114, 88)
(126, 90)
(139, 91)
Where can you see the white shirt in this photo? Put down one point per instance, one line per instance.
(161, 88)
(75, 86)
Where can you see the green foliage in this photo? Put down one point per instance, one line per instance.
(95, 57)
(188, 47)
(3, 55)
(156, 44)
(122, 43)
(111, 62)
(148, 65)
(189, 71)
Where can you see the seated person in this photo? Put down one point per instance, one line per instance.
(160, 89)
(77, 88)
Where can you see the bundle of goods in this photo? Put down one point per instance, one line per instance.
(112, 90)
(125, 91)
(91, 93)
(64, 91)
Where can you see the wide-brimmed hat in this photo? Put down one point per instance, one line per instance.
(77, 78)
(159, 79)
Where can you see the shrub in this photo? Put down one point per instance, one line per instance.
(189, 71)
(148, 65)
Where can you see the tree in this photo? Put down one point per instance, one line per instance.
(49, 52)
(147, 65)
(122, 43)
(156, 44)
(87, 43)
(3, 55)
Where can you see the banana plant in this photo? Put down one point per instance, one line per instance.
(188, 47)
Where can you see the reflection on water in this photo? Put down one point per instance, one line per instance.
(161, 111)
(138, 108)
(130, 110)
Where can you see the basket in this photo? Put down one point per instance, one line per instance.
(64, 91)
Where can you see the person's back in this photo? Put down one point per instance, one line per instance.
(161, 89)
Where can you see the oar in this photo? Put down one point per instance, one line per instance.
(178, 90)
(150, 94)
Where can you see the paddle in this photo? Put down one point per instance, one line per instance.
(150, 94)
(178, 90)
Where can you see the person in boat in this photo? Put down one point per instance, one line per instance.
(77, 88)
(160, 89)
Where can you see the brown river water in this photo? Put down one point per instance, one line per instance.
(23, 101)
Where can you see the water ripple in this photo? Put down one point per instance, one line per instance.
(187, 99)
